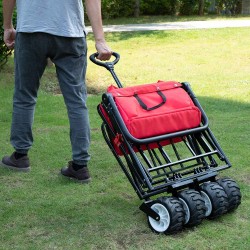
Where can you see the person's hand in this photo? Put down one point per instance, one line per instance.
(9, 38)
(104, 52)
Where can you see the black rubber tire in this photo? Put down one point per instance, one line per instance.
(218, 198)
(196, 207)
(233, 192)
(176, 214)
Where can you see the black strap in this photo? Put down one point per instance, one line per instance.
(144, 106)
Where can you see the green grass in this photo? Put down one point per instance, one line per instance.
(166, 18)
(41, 210)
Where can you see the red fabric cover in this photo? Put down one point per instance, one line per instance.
(118, 139)
(177, 114)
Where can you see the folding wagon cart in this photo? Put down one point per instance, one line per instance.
(159, 135)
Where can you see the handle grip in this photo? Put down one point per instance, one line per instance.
(108, 65)
(144, 106)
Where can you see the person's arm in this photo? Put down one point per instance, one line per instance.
(9, 31)
(93, 8)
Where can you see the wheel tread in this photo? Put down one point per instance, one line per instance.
(176, 214)
(196, 206)
(218, 197)
(233, 192)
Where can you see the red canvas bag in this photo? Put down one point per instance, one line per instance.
(156, 109)
(117, 140)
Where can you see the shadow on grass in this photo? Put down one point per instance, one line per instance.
(123, 36)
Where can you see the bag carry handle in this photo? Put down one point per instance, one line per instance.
(144, 106)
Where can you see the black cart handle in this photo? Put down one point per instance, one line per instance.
(108, 65)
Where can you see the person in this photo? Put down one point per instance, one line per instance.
(51, 29)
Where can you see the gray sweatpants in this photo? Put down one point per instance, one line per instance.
(70, 58)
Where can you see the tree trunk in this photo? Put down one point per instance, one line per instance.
(137, 8)
(201, 7)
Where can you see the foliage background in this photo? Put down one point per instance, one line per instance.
(4, 51)
(127, 8)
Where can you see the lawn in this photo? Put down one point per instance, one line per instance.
(167, 18)
(42, 210)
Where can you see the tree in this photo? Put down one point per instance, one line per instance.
(137, 8)
(188, 7)
(201, 7)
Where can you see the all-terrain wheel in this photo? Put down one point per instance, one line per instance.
(194, 207)
(171, 215)
(233, 192)
(216, 200)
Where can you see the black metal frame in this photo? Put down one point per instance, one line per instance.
(145, 167)
(196, 158)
